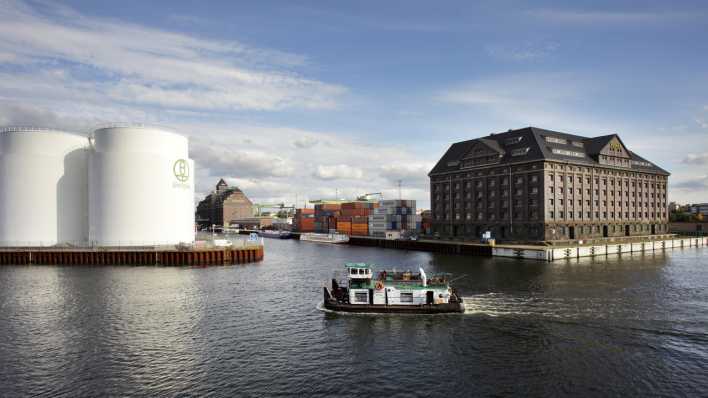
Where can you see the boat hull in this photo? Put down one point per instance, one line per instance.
(446, 308)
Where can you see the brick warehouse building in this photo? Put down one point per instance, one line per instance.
(540, 185)
(222, 206)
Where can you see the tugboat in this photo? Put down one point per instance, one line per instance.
(392, 292)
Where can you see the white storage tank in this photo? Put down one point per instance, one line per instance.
(43, 187)
(141, 187)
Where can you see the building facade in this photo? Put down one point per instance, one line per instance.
(533, 184)
(223, 206)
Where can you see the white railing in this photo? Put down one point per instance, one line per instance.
(127, 245)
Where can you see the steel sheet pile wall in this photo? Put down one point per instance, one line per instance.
(43, 187)
(141, 187)
(393, 215)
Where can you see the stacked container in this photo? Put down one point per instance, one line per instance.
(304, 220)
(393, 215)
(326, 216)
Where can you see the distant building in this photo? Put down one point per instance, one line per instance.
(262, 222)
(224, 205)
(700, 208)
(540, 185)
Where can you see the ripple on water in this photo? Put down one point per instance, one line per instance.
(628, 326)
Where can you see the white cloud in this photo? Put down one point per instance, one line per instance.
(524, 51)
(228, 160)
(696, 159)
(611, 17)
(305, 142)
(136, 64)
(699, 183)
(409, 174)
(338, 172)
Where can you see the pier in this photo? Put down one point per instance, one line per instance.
(131, 256)
(598, 249)
(616, 246)
(436, 246)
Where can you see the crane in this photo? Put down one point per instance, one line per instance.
(366, 196)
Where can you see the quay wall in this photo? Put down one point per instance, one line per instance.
(191, 257)
(424, 245)
(560, 253)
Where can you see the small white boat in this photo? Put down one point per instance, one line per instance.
(324, 238)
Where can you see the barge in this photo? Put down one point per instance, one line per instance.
(269, 233)
(324, 238)
(392, 292)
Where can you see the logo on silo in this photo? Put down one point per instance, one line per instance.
(181, 170)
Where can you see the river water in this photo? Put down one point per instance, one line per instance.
(635, 325)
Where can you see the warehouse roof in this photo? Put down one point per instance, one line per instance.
(533, 143)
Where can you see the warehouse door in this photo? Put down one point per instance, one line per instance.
(626, 230)
(604, 231)
(571, 232)
(653, 229)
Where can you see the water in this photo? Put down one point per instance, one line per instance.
(628, 326)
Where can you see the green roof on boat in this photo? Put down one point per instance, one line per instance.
(358, 265)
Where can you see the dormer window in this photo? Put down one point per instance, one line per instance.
(555, 140)
(520, 151)
(513, 140)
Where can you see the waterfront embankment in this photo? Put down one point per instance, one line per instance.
(615, 246)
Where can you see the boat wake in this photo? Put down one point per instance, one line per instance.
(500, 304)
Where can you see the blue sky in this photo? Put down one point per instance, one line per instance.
(301, 99)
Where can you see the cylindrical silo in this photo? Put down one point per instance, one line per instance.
(141, 187)
(43, 187)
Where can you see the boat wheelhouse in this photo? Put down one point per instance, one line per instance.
(391, 292)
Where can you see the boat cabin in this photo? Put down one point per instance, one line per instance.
(392, 288)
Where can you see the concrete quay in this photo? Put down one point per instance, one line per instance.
(537, 252)
(598, 249)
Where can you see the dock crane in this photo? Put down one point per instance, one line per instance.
(367, 195)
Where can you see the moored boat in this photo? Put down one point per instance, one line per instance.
(324, 238)
(275, 234)
(391, 292)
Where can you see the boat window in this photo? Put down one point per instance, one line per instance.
(406, 297)
(361, 271)
(353, 271)
(361, 297)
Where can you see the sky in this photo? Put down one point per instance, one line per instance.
(300, 100)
